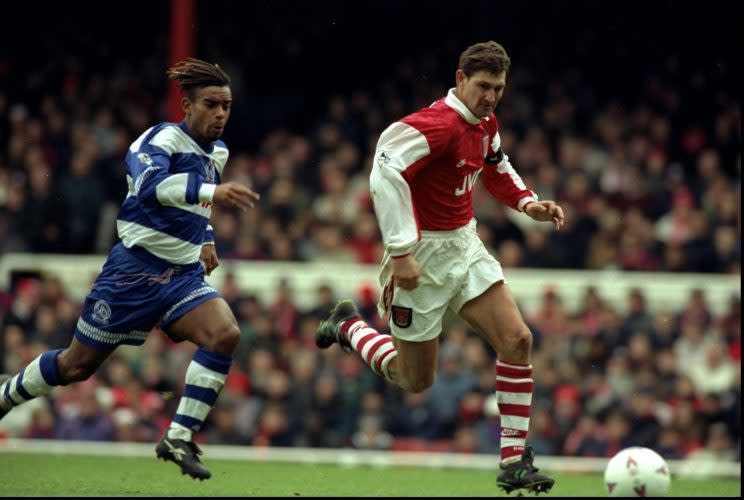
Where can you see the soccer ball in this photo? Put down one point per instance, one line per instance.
(637, 472)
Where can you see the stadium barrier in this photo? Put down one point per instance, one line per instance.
(663, 291)
(347, 457)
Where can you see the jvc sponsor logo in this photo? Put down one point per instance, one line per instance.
(468, 182)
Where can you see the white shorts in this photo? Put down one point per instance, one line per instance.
(455, 268)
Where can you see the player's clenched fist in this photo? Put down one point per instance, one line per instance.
(233, 194)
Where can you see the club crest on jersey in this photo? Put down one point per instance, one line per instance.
(402, 316)
(145, 158)
(101, 312)
(211, 172)
(484, 145)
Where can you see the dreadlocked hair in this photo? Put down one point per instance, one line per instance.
(194, 73)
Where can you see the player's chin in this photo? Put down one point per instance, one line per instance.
(485, 112)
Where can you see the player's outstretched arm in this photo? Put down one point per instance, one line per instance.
(233, 194)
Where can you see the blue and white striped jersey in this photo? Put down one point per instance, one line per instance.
(171, 182)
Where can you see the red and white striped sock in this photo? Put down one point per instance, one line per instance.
(376, 349)
(514, 396)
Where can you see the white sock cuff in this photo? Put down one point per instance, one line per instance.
(514, 367)
(178, 431)
(386, 363)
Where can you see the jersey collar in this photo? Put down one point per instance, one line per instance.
(453, 102)
(207, 148)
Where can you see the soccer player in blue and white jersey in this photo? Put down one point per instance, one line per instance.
(155, 275)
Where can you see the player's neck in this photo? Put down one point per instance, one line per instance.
(205, 144)
(454, 100)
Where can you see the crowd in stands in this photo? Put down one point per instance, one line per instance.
(649, 181)
(604, 380)
(642, 188)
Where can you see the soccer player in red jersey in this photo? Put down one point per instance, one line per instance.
(425, 167)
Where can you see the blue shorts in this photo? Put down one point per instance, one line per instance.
(135, 292)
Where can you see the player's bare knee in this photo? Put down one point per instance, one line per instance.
(418, 384)
(522, 342)
(226, 339)
(75, 372)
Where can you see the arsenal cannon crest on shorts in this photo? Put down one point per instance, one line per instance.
(402, 316)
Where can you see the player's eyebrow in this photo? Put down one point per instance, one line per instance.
(210, 100)
(496, 85)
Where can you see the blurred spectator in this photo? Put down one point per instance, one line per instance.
(727, 247)
(273, 427)
(637, 318)
(42, 221)
(450, 385)
(669, 444)
(543, 434)
(715, 371)
(617, 433)
(551, 318)
(365, 240)
(222, 426)
(42, 424)
(414, 416)
(89, 423)
(283, 313)
(371, 435)
(509, 254)
(465, 440)
(690, 347)
(83, 193)
(696, 309)
(585, 439)
(718, 447)
(325, 402)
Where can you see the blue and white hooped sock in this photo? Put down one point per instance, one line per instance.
(38, 378)
(205, 378)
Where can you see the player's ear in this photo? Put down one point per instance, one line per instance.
(186, 105)
(459, 77)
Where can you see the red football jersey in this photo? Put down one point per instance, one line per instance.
(425, 167)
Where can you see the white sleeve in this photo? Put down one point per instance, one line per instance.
(399, 147)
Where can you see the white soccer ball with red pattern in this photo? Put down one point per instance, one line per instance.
(637, 472)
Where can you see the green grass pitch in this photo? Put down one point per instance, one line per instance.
(37, 474)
